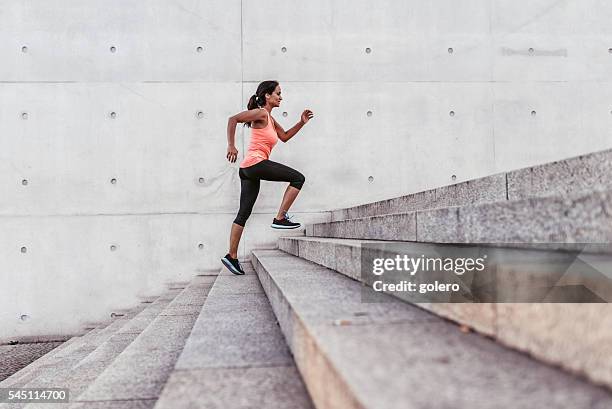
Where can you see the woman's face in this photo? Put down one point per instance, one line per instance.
(275, 99)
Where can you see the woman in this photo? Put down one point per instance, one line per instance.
(265, 133)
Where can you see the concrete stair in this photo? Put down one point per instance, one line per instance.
(578, 218)
(213, 342)
(136, 376)
(559, 204)
(90, 363)
(575, 336)
(75, 348)
(390, 354)
(585, 173)
(236, 356)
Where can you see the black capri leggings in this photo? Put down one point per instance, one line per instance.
(249, 183)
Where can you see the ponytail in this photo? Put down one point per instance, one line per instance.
(259, 98)
(253, 102)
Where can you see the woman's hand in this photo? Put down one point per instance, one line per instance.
(232, 153)
(306, 115)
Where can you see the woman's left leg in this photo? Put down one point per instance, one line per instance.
(288, 199)
(277, 172)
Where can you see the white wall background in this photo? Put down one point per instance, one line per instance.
(169, 212)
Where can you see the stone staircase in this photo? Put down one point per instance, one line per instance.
(294, 331)
(236, 356)
(394, 355)
(101, 365)
(213, 342)
(559, 204)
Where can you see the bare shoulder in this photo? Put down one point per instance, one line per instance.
(261, 120)
(251, 115)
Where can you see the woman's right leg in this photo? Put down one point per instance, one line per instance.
(249, 189)
(235, 235)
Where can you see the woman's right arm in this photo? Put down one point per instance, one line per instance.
(244, 116)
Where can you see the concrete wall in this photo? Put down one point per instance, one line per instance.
(152, 115)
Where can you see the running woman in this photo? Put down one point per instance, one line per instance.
(265, 133)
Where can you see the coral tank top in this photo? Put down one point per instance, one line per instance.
(262, 142)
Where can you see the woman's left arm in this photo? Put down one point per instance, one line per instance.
(285, 136)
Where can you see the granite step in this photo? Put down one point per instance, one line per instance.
(59, 370)
(390, 354)
(80, 376)
(136, 376)
(235, 356)
(46, 359)
(74, 346)
(76, 342)
(14, 357)
(581, 218)
(565, 177)
(574, 336)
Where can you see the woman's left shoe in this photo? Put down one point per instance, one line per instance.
(285, 223)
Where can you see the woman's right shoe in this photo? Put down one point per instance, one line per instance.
(232, 264)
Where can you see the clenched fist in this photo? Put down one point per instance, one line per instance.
(306, 115)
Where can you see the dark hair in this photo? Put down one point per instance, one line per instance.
(259, 99)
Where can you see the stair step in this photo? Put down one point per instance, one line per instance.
(394, 355)
(81, 375)
(63, 360)
(573, 336)
(29, 372)
(38, 363)
(14, 357)
(60, 370)
(236, 355)
(584, 218)
(136, 376)
(565, 177)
